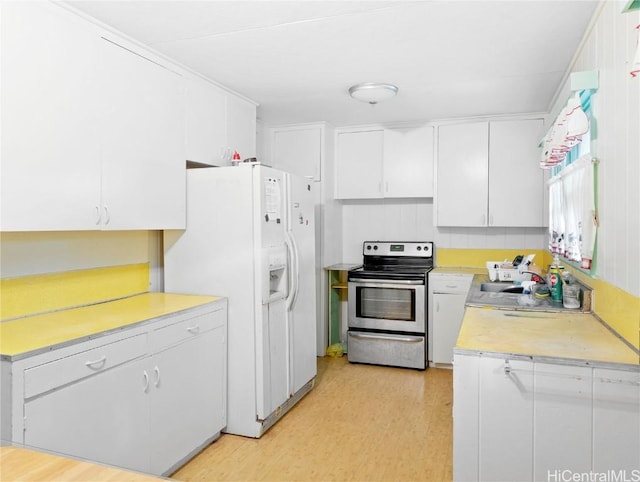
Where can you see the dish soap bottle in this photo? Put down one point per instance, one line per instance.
(555, 280)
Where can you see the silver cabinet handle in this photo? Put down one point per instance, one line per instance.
(156, 370)
(507, 368)
(98, 215)
(194, 329)
(97, 364)
(145, 389)
(107, 215)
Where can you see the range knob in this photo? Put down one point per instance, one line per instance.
(368, 247)
(375, 247)
(419, 248)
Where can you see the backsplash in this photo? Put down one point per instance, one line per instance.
(29, 295)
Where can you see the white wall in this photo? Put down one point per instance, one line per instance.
(609, 48)
(412, 220)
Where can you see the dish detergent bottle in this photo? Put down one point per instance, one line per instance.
(555, 280)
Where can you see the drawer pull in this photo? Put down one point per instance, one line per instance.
(194, 329)
(97, 364)
(157, 372)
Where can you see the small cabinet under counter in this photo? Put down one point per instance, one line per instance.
(447, 295)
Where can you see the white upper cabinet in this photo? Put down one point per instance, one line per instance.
(488, 174)
(241, 127)
(217, 123)
(143, 159)
(515, 177)
(205, 123)
(93, 133)
(462, 176)
(50, 157)
(408, 162)
(96, 129)
(385, 163)
(359, 164)
(298, 150)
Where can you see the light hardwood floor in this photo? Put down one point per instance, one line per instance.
(359, 423)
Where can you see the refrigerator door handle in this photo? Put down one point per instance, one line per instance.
(293, 270)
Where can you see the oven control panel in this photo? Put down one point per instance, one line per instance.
(422, 249)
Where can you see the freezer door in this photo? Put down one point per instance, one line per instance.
(301, 307)
(273, 360)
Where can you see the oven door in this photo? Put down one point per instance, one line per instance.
(391, 305)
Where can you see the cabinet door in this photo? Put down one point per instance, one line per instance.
(408, 162)
(241, 127)
(562, 419)
(466, 391)
(616, 421)
(448, 311)
(143, 159)
(462, 175)
(359, 164)
(103, 418)
(205, 123)
(188, 397)
(298, 151)
(506, 419)
(515, 177)
(50, 150)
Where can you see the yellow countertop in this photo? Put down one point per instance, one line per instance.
(38, 332)
(25, 464)
(568, 336)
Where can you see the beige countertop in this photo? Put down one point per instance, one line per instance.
(570, 336)
(34, 333)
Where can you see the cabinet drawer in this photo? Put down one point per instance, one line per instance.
(75, 367)
(186, 329)
(450, 283)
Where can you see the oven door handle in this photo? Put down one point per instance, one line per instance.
(405, 339)
(363, 282)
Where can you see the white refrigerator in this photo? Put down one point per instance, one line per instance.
(250, 237)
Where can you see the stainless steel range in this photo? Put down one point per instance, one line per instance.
(388, 304)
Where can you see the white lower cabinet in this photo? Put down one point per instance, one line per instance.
(181, 376)
(616, 421)
(100, 418)
(447, 296)
(518, 419)
(561, 419)
(144, 399)
(504, 416)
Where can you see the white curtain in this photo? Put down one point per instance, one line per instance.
(573, 220)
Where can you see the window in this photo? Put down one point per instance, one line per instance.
(572, 202)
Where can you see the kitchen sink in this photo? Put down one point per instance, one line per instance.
(498, 287)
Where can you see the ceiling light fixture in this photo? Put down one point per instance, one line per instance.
(373, 92)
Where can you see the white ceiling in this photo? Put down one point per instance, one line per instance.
(297, 59)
